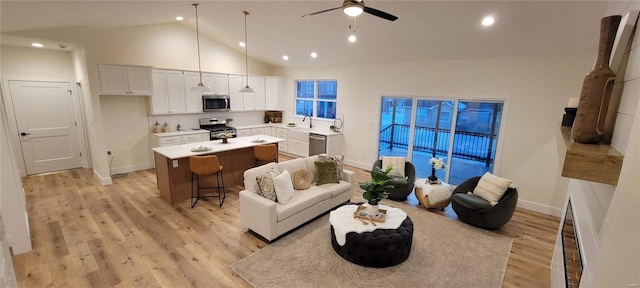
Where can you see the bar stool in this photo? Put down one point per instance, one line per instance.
(265, 153)
(205, 166)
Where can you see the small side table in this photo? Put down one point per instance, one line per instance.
(441, 193)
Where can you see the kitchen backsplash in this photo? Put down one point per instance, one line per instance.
(191, 121)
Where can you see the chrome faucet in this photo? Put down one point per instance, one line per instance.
(305, 118)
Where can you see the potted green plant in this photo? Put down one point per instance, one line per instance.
(376, 189)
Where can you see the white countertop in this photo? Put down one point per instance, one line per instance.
(320, 131)
(184, 150)
(180, 133)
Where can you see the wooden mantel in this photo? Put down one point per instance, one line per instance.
(591, 162)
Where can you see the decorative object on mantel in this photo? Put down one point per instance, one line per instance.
(246, 89)
(436, 164)
(570, 112)
(199, 86)
(597, 88)
(376, 189)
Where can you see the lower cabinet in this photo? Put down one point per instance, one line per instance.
(175, 138)
(282, 133)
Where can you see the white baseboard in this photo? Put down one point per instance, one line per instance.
(131, 168)
(544, 209)
(361, 165)
(104, 181)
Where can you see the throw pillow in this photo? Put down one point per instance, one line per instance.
(265, 184)
(339, 161)
(397, 163)
(284, 187)
(326, 172)
(301, 179)
(491, 187)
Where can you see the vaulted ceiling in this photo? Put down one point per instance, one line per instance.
(425, 30)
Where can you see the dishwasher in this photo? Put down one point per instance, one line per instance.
(317, 144)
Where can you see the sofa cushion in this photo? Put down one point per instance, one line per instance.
(301, 179)
(292, 165)
(326, 172)
(302, 200)
(311, 167)
(250, 175)
(337, 188)
(339, 162)
(284, 187)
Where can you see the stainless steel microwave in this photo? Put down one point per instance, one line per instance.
(216, 103)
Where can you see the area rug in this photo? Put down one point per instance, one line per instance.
(445, 253)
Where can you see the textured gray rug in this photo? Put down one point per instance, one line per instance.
(445, 253)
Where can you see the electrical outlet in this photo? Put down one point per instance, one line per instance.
(109, 153)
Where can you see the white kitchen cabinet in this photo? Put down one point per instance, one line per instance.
(282, 133)
(168, 92)
(235, 84)
(270, 131)
(298, 143)
(258, 131)
(273, 88)
(334, 145)
(218, 83)
(125, 80)
(193, 98)
(243, 132)
(179, 137)
(258, 84)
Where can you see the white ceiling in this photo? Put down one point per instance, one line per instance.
(425, 30)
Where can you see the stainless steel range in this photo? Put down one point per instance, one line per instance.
(216, 127)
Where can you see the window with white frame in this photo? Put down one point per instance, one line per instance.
(316, 98)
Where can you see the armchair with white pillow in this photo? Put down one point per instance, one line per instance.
(487, 202)
(404, 176)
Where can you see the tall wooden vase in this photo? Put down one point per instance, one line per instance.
(597, 87)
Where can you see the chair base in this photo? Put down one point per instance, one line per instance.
(222, 193)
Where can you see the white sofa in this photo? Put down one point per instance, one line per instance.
(270, 219)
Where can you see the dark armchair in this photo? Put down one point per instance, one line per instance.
(402, 187)
(478, 212)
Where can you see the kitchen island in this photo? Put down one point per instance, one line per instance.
(172, 164)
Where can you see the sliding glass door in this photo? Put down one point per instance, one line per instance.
(464, 133)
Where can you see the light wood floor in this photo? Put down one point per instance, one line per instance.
(124, 235)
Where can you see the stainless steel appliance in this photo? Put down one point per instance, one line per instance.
(216, 103)
(317, 144)
(216, 127)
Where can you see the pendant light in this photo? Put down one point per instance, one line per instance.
(199, 86)
(246, 89)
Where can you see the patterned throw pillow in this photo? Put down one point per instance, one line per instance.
(326, 172)
(265, 183)
(301, 179)
(339, 162)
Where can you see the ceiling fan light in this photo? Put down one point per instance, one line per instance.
(353, 11)
(200, 87)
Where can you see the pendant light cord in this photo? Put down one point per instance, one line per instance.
(198, 41)
(246, 45)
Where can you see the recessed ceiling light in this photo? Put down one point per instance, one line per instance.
(352, 38)
(488, 21)
(39, 45)
(242, 44)
(314, 55)
(285, 57)
(179, 18)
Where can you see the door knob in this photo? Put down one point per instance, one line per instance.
(24, 134)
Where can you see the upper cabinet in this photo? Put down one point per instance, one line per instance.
(273, 88)
(235, 83)
(168, 92)
(193, 98)
(219, 83)
(258, 84)
(124, 80)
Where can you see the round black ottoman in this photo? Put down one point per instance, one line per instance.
(379, 248)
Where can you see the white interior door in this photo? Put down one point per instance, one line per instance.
(46, 124)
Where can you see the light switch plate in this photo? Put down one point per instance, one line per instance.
(175, 163)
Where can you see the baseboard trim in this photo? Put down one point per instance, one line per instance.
(131, 168)
(104, 181)
(544, 209)
(361, 165)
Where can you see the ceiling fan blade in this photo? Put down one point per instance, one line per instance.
(314, 13)
(380, 14)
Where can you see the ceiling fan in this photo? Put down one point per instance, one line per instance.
(356, 7)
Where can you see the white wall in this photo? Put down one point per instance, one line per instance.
(617, 263)
(169, 45)
(36, 63)
(535, 90)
